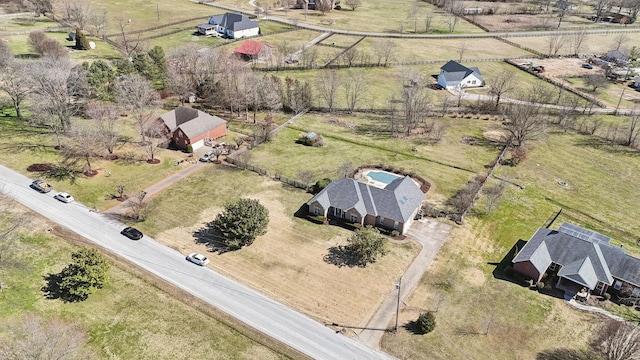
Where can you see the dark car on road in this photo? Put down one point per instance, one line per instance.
(132, 233)
(587, 66)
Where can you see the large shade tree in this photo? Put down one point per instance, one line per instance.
(88, 272)
(240, 223)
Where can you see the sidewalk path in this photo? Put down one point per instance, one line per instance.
(163, 184)
(430, 234)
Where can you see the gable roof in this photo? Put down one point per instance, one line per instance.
(455, 72)
(586, 256)
(397, 201)
(233, 21)
(192, 122)
(250, 47)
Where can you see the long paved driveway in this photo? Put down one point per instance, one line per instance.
(251, 307)
(430, 234)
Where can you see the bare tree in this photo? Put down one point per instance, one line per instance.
(46, 46)
(555, 43)
(415, 101)
(345, 169)
(136, 94)
(354, 87)
(33, 337)
(129, 44)
(428, 20)
(493, 195)
(617, 340)
(353, 4)
(80, 147)
(305, 177)
(99, 22)
(461, 49)
(539, 93)
(156, 134)
(14, 81)
(327, 84)
(577, 41)
(77, 12)
(350, 56)
(6, 55)
(454, 8)
(40, 7)
(137, 205)
(297, 95)
(217, 152)
(596, 81)
(9, 231)
(384, 50)
(620, 40)
(633, 129)
(413, 16)
(324, 6)
(503, 83)
(602, 7)
(107, 117)
(524, 123)
(57, 89)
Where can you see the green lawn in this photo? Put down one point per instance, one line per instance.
(14, 24)
(19, 46)
(120, 320)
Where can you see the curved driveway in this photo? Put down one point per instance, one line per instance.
(251, 307)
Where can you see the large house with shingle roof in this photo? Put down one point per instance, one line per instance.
(230, 25)
(393, 207)
(454, 75)
(579, 258)
(189, 126)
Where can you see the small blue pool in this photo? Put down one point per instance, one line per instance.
(382, 176)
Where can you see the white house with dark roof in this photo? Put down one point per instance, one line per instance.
(230, 25)
(454, 75)
(393, 207)
(189, 126)
(579, 257)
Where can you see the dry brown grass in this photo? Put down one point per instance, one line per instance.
(287, 264)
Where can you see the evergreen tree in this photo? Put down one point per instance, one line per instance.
(426, 323)
(241, 222)
(101, 77)
(82, 43)
(88, 272)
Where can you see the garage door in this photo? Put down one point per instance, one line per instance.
(197, 145)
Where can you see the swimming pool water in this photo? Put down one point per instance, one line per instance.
(382, 176)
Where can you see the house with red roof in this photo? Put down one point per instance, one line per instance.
(251, 50)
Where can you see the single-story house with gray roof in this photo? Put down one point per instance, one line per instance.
(393, 207)
(189, 126)
(231, 25)
(580, 258)
(454, 75)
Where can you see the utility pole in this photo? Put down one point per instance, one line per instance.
(399, 287)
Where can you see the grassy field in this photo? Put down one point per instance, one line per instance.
(20, 47)
(593, 44)
(120, 320)
(612, 95)
(374, 16)
(15, 24)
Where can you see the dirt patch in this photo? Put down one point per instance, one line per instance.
(512, 22)
(474, 277)
(560, 68)
(494, 135)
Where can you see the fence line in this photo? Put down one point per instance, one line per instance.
(261, 171)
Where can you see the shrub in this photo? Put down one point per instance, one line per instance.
(81, 40)
(425, 323)
(321, 184)
(395, 233)
(539, 285)
(607, 296)
(189, 149)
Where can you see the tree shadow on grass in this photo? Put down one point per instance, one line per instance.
(214, 242)
(564, 354)
(52, 289)
(339, 256)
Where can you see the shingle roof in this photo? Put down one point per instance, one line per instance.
(192, 122)
(233, 22)
(456, 72)
(571, 249)
(397, 201)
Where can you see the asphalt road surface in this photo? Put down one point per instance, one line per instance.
(251, 307)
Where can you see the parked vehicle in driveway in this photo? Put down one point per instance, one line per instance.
(64, 197)
(198, 259)
(132, 233)
(41, 186)
(207, 156)
(587, 66)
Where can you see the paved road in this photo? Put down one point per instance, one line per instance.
(253, 308)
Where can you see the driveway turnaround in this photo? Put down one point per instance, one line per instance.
(272, 318)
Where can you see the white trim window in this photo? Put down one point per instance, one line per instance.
(316, 210)
(353, 218)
